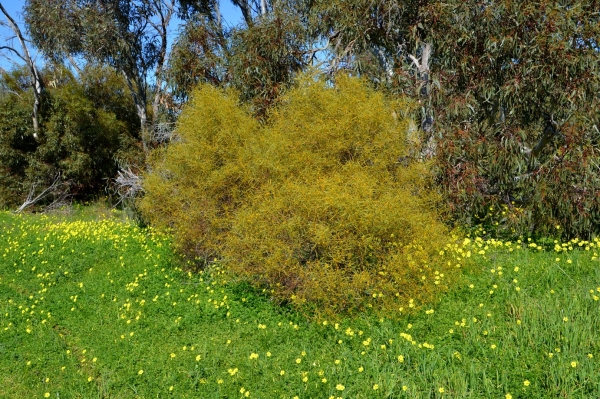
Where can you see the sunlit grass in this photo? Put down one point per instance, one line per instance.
(99, 308)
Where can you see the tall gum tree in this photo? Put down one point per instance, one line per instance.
(130, 36)
(24, 55)
(519, 104)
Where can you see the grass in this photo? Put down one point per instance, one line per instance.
(96, 307)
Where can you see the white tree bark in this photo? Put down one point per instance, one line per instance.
(30, 200)
(165, 13)
(429, 150)
(263, 7)
(38, 84)
(423, 67)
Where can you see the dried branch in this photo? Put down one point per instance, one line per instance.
(129, 184)
(30, 197)
(163, 132)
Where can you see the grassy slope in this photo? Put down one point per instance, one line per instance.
(98, 309)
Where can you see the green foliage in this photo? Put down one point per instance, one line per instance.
(259, 61)
(519, 113)
(107, 90)
(317, 206)
(372, 38)
(16, 135)
(115, 32)
(90, 308)
(512, 88)
(84, 134)
(197, 56)
(129, 36)
(264, 58)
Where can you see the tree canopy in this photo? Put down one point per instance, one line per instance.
(505, 93)
(130, 36)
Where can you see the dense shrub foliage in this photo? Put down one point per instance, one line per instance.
(87, 127)
(519, 114)
(259, 60)
(16, 138)
(319, 206)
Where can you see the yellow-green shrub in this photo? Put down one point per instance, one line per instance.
(317, 206)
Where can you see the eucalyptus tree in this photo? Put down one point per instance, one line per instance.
(258, 56)
(505, 92)
(513, 90)
(519, 105)
(23, 54)
(130, 36)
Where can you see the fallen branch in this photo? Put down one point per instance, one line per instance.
(129, 185)
(31, 200)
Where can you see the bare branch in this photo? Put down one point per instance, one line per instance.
(37, 80)
(63, 203)
(263, 7)
(415, 61)
(129, 184)
(162, 132)
(423, 65)
(15, 93)
(13, 50)
(30, 200)
(74, 64)
(313, 52)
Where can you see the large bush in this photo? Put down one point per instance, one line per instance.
(84, 133)
(319, 206)
(16, 137)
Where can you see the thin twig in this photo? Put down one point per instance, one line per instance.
(565, 273)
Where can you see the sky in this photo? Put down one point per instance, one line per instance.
(230, 14)
(14, 8)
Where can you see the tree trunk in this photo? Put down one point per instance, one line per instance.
(138, 93)
(38, 83)
(427, 120)
(162, 32)
(245, 9)
(218, 13)
(263, 7)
